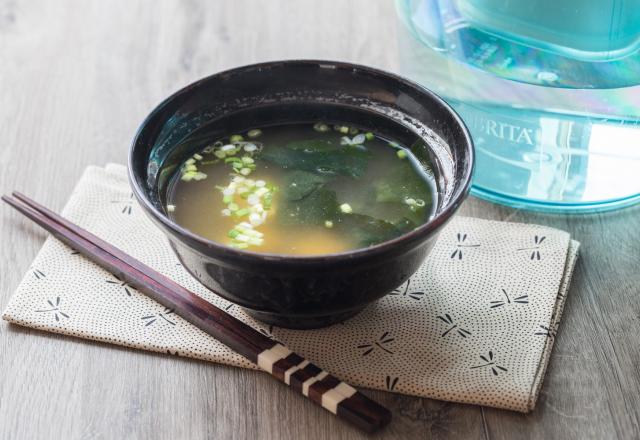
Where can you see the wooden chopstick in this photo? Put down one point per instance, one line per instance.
(288, 367)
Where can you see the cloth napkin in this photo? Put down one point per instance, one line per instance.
(475, 324)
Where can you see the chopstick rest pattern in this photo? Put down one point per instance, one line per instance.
(271, 356)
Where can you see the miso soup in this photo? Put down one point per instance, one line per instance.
(301, 189)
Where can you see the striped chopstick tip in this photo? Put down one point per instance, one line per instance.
(290, 371)
(332, 398)
(268, 357)
(312, 381)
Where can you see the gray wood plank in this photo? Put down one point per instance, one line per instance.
(76, 79)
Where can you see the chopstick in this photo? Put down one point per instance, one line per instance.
(321, 387)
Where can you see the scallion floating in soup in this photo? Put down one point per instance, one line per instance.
(301, 189)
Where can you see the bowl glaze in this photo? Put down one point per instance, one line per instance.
(304, 291)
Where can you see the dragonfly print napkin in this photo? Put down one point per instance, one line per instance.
(475, 324)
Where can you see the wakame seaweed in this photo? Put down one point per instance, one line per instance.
(299, 184)
(345, 162)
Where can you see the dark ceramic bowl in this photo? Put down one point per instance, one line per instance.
(294, 291)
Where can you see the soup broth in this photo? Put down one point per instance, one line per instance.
(301, 189)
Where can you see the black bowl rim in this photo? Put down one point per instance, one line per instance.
(420, 233)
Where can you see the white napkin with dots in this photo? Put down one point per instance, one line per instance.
(475, 324)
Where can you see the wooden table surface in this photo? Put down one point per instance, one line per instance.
(76, 79)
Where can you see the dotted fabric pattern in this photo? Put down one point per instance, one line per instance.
(475, 324)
